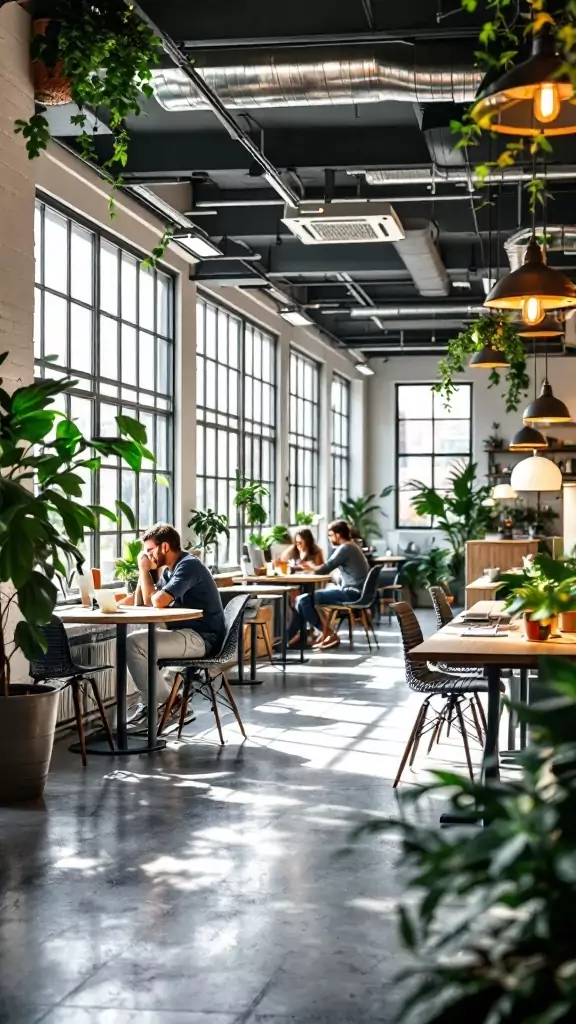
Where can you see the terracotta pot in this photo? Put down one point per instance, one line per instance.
(568, 622)
(27, 724)
(537, 632)
(51, 86)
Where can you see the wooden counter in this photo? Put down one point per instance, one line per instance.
(495, 554)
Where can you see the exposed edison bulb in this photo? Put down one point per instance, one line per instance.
(532, 312)
(546, 102)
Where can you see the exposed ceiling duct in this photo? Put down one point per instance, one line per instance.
(422, 260)
(454, 176)
(317, 84)
(361, 312)
(559, 238)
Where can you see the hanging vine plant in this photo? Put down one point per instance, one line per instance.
(500, 335)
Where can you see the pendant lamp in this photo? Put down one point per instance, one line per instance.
(549, 327)
(547, 408)
(532, 288)
(504, 492)
(536, 474)
(533, 98)
(489, 358)
(528, 438)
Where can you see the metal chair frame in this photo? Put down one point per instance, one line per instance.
(363, 605)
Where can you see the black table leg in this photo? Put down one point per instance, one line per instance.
(152, 687)
(121, 676)
(490, 766)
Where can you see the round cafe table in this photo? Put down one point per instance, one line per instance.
(293, 581)
(122, 618)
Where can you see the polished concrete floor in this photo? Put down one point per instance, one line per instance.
(210, 885)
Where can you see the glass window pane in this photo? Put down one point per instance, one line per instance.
(414, 400)
(146, 298)
(415, 436)
(129, 277)
(128, 355)
(108, 277)
(162, 349)
(459, 404)
(452, 436)
(162, 462)
(80, 338)
(55, 327)
(210, 336)
(108, 348)
(146, 352)
(406, 514)
(129, 490)
(146, 506)
(108, 554)
(414, 468)
(38, 243)
(37, 323)
(222, 328)
(81, 264)
(55, 251)
(163, 291)
(108, 425)
(81, 413)
(199, 450)
(200, 326)
(233, 340)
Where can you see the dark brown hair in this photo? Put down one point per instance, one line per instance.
(163, 533)
(341, 527)
(312, 548)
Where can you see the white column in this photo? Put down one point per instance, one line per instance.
(325, 444)
(569, 512)
(359, 438)
(185, 404)
(283, 424)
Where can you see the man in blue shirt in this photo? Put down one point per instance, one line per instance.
(183, 582)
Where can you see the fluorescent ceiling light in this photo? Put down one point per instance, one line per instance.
(461, 284)
(282, 190)
(365, 369)
(294, 317)
(203, 248)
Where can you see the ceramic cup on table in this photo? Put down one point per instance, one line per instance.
(491, 574)
(106, 601)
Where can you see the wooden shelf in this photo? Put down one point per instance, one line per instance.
(555, 451)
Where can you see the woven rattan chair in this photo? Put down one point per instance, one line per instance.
(460, 694)
(57, 664)
(198, 674)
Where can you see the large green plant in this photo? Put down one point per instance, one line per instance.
(127, 567)
(249, 497)
(44, 460)
(431, 569)
(458, 511)
(501, 336)
(360, 513)
(208, 526)
(544, 589)
(491, 919)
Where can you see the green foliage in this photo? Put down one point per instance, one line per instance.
(126, 568)
(258, 540)
(279, 534)
(490, 919)
(546, 588)
(500, 335)
(307, 518)
(208, 526)
(458, 512)
(248, 497)
(360, 512)
(44, 460)
(431, 569)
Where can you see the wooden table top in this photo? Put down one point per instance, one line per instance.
(450, 646)
(128, 616)
(483, 583)
(293, 580)
(239, 588)
(393, 559)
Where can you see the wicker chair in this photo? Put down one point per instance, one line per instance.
(460, 695)
(363, 607)
(196, 673)
(441, 606)
(57, 664)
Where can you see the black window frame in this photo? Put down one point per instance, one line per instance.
(255, 436)
(149, 404)
(340, 452)
(303, 491)
(457, 456)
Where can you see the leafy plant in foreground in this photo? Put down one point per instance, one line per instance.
(44, 462)
(360, 513)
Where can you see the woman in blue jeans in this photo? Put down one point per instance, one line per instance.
(351, 564)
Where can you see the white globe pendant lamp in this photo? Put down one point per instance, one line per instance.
(536, 474)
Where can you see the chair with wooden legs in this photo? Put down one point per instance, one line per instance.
(199, 675)
(260, 622)
(57, 664)
(361, 608)
(459, 694)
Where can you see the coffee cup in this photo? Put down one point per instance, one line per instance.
(106, 601)
(492, 574)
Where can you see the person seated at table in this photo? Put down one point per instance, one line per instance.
(353, 568)
(304, 552)
(183, 581)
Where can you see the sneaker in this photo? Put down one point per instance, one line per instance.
(137, 715)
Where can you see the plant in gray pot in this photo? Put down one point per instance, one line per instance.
(44, 462)
(127, 568)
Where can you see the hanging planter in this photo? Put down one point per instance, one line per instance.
(51, 86)
(486, 334)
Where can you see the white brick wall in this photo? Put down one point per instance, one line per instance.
(16, 201)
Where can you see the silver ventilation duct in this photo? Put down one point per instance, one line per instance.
(316, 84)
(454, 176)
(559, 238)
(422, 260)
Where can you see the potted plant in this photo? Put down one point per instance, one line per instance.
(489, 923)
(208, 526)
(430, 569)
(42, 521)
(491, 332)
(545, 593)
(494, 440)
(249, 499)
(360, 513)
(127, 568)
(459, 512)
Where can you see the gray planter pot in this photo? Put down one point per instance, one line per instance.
(27, 723)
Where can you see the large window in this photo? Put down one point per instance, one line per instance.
(110, 323)
(340, 442)
(236, 409)
(429, 440)
(304, 427)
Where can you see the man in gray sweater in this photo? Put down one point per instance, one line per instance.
(349, 560)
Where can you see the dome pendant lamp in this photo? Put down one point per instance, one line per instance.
(549, 327)
(528, 438)
(489, 358)
(536, 474)
(533, 288)
(533, 98)
(547, 408)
